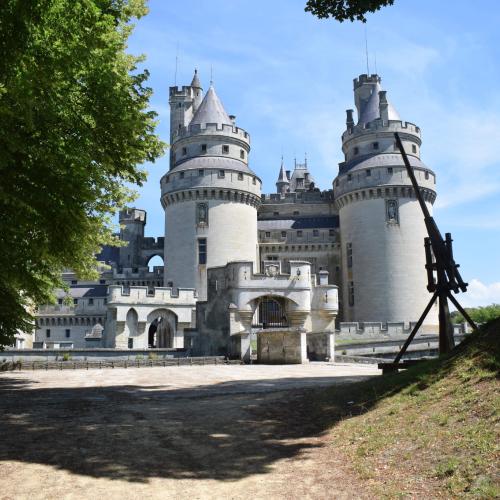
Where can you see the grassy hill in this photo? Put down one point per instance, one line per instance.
(431, 431)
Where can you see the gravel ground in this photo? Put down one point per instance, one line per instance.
(175, 432)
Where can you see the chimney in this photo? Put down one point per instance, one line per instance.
(349, 120)
(383, 106)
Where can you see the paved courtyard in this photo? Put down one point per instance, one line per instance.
(175, 432)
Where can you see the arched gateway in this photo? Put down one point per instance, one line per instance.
(161, 330)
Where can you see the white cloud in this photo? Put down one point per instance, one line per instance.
(480, 294)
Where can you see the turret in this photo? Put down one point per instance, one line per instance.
(301, 179)
(132, 222)
(381, 224)
(197, 91)
(184, 102)
(283, 182)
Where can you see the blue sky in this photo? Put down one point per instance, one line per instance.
(287, 77)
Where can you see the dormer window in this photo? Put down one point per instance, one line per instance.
(368, 172)
(349, 177)
(181, 175)
(240, 176)
(221, 174)
(413, 148)
(203, 148)
(356, 150)
(242, 154)
(375, 145)
(225, 149)
(200, 172)
(389, 170)
(184, 151)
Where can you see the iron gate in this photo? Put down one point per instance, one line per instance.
(270, 314)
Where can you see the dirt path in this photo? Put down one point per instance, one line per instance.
(189, 432)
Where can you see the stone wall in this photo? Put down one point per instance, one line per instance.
(281, 347)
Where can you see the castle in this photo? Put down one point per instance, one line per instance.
(288, 267)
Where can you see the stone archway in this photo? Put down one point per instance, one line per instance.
(270, 312)
(162, 327)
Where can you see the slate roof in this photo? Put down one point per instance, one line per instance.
(381, 160)
(215, 162)
(371, 112)
(211, 110)
(80, 291)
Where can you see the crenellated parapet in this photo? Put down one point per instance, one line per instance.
(379, 125)
(213, 129)
(142, 295)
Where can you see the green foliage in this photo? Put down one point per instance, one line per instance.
(74, 125)
(66, 356)
(343, 10)
(478, 314)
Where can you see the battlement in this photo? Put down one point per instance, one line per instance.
(379, 125)
(132, 214)
(299, 197)
(151, 243)
(212, 129)
(184, 91)
(364, 78)
(142, 294)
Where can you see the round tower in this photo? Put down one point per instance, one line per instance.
(381, 224)
(210, 197)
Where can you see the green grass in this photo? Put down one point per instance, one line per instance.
(432, 430)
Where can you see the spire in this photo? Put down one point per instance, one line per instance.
(196, 81)
(211, 110)
(282, 176)
(283, 182)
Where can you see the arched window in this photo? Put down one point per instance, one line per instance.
(132, 322)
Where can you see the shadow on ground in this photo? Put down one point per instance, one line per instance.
(225, 431)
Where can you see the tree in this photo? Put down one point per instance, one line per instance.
(478, 314)
(74, 126)
(343, 10)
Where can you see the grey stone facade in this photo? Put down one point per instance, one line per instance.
(365, 234)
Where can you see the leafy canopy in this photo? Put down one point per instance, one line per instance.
(343, 10)
(74, 125)
(478, 314)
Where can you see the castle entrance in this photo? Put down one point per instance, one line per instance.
(161, 330)
(270, 313)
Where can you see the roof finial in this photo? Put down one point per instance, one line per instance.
(211, 75)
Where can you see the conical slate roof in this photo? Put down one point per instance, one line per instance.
(211, 110)
(371, 111)
(196, 81)
(282, 177)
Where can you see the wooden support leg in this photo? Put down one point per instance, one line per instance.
(446, 340)
(415, 328)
